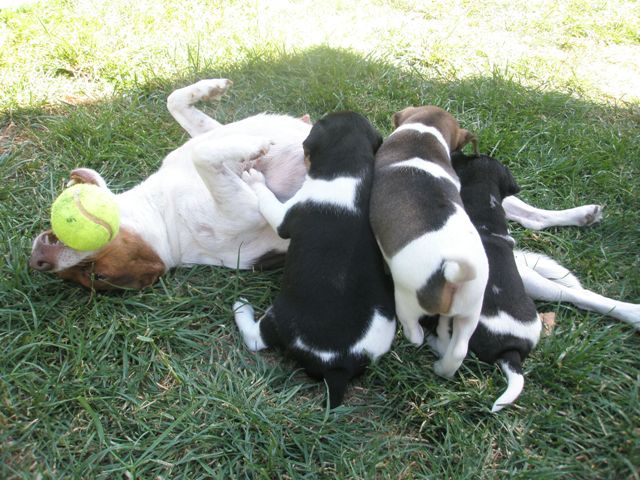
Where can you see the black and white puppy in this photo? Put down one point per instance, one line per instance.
(335, 309)
(432, 249)
(509, 326)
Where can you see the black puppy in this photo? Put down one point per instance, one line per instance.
(335, 310)
(509, 325)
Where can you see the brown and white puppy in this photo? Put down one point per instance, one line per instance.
(433, 251)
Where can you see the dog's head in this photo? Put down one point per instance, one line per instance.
(484, 170)
(337, 136)
(440, 119)
(126, 262)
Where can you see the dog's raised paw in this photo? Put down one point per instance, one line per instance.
(209, 89)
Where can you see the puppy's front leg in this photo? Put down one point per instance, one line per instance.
(270, 207)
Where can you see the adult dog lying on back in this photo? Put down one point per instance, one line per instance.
(196, 209)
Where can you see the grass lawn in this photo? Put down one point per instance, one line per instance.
(157, 383)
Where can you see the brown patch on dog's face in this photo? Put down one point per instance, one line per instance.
(446, 124)
(126, 262)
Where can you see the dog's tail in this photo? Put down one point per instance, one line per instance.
(511, 364)
(548, 268)
(458, 270)
(337, 380)
(249, 328)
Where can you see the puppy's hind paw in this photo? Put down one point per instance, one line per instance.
(443, 370)
(594, 214)
(415, 335)
(242, 307)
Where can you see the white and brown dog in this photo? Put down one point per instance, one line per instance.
(433, 251)
(196, 209)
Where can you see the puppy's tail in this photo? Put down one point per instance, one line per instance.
(337, 380)
(249, 328)
(548, 268)
(458, 270)
(511, 364)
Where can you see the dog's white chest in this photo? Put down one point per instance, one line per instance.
(339, 193)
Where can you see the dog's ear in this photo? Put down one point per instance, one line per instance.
(396, 119)
(311, 143)
(465, 137)
(401, 116)
(508, 184)
(86, 175)
(377, 141)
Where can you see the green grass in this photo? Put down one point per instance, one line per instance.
(157, 384)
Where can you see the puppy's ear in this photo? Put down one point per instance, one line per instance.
(311, 143)
(396, 119)
(401, 116)
(464, 137)
(508, 184)
(377, 141)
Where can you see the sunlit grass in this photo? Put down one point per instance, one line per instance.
(157, 383)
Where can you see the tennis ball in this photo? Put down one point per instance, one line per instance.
(85, 217)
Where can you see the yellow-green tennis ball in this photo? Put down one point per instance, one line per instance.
(85, 217)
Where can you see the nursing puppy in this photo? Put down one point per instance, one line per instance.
(509, 326)
(335, 309)
(432, 249)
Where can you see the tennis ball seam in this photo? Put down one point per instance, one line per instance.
(90, 216)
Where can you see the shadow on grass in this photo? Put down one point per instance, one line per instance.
(174, 344)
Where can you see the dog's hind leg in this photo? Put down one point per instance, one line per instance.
(541, 288)
(536, 218)
(511, 364)
(463, 328)
(408, 313)
(181, 105)
(249, 328)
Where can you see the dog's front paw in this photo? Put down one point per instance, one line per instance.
(253, 177)
(256, 147)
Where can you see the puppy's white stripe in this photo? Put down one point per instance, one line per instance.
(375, 342)
(422, 128)
(515, 384)
(324, 355)
(429, 167)
(340, 192)
(505, 324)
(378, 337)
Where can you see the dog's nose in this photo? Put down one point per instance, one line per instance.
(40, 264)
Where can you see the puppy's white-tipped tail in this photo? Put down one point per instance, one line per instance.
(515, 381)
(458, 271)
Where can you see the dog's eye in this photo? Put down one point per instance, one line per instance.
(99, 277)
